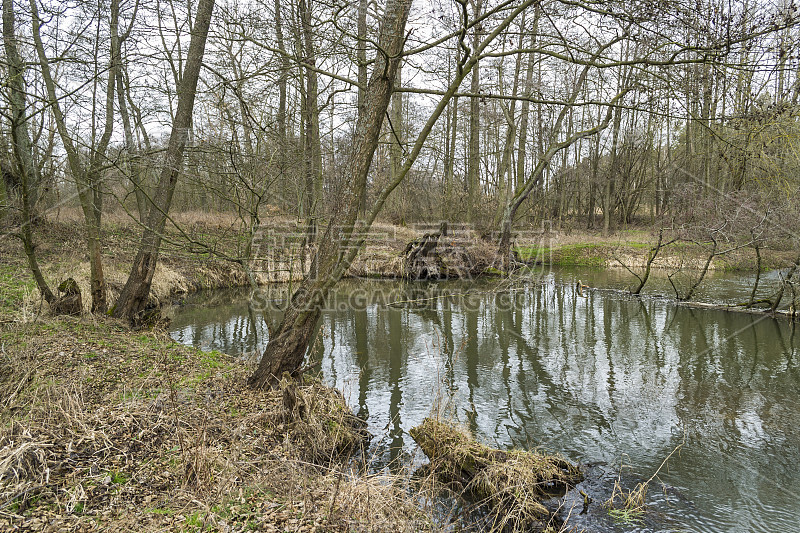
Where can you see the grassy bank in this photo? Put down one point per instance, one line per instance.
(192, 258)
(632, 247)
(104, 429)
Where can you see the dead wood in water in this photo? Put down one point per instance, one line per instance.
(448, 254)
(512, 483)
(421, 258)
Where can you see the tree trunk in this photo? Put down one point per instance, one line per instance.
(361, 56)
(312, 145)
(449, 171)
(505, 170)
(282, 84)
(87, 178)
(133, 298)
(288, 345)
(26, 168)
(522, 141)
(397, 136)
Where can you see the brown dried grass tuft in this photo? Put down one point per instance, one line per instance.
(318, 421)
(511, 483)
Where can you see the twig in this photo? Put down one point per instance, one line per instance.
(306, 368)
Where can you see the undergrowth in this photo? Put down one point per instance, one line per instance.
(104, 430)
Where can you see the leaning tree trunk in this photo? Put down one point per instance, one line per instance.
(524, 188)
(133, 298)
(340, 244)
(24, 164)
(288, 344)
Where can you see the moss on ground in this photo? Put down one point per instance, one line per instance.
(634, 248)
(583, 254)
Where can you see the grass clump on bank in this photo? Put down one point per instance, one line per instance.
(104, 430)
(319, 423)
(511, 483)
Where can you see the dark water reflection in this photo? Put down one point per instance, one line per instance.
(606, 378)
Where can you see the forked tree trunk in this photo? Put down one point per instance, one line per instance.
(288, 344)
(133, 298)
(525, 187)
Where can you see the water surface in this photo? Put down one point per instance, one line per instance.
(607, 378)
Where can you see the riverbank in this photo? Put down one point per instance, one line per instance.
(107, 430)
(192, 258)
(194, 251)
(631, 248)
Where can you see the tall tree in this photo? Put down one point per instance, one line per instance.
(131, 162)
(287, 347)
(87, 176)
(25, 166)
(312, 146)
(133, 298)
(474, 154)
(343, 239)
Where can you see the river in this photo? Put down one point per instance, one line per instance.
(607, 379)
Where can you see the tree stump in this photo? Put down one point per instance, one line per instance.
(70, 302)
(422, 260)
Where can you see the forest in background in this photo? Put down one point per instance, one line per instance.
(687, 97)
(676, 116)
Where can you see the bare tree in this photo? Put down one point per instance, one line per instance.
(287, 348)
(343, 238)
(133, 298)
(25, 168)
(87, 176)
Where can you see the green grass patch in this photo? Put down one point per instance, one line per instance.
(119, 478)
(195, 522)
(213, 359)
(582, 254)
(15, 285)
(626, 516)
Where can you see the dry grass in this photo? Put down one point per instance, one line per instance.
(104, 430)
(318, 422)
(629, 505)
(511, 483)
(186, 219)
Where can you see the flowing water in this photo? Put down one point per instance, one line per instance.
(607, 379)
